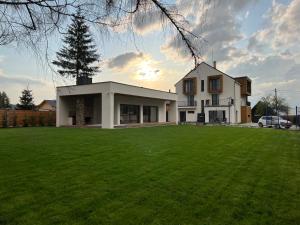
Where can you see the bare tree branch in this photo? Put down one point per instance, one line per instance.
(29, 21)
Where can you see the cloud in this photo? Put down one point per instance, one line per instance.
(282, 28)
(145, 22)
(18, 80)
(218, 29)
(142, 70)
(270, 72)
(123, 60)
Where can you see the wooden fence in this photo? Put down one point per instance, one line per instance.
(26, 118)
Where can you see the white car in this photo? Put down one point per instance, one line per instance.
(272, 121)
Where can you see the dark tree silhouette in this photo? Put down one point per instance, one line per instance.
(26, 100)
(4, 101)
(76, 58)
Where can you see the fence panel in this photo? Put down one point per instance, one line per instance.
(24, 118)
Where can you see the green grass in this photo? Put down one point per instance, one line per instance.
(162, 175)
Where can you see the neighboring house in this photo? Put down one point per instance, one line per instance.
(208, 95)
(111, 104)
(47, 105)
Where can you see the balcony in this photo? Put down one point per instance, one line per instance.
(184, 104)
(222, 103)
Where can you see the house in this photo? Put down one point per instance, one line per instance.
(47, 105)
(112, 104)
(209, 95)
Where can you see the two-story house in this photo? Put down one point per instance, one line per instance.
(206, 94)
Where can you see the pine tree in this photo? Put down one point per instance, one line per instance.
(75, 59)
(26, 100)
(4, 100)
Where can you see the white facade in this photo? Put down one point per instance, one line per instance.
(104, 101)
(230, 100)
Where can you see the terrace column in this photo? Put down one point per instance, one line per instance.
(173, 112)
(141, 114)
(80, 111)
(108, 110)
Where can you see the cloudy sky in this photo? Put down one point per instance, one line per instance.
(257, 38)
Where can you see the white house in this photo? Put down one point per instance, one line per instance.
(111, 104)
(208, 95)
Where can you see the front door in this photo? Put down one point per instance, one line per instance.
(182, 116)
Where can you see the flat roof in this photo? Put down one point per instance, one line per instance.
(152, 89)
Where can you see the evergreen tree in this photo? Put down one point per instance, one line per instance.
(75, 59)
(26, 100)
(4, 100)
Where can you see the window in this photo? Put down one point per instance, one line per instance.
(202, 85)
(217, 116)
(150, 114)
(190, 100)
(191, 112)
(215, 85)
(202, 105)
(129, 114)
(215, 99)
(189, 86)
(207, 102)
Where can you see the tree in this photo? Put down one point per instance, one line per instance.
(26, 100)
(4, 100)
(267, 106)
(30, 21)
(75, 59)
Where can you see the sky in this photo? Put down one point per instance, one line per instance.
(255, 38)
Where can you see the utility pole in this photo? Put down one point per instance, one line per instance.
(277, 112)
(296, 117)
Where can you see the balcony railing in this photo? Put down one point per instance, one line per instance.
(222, 103)
(187, 103)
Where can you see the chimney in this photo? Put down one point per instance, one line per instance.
(215, 64)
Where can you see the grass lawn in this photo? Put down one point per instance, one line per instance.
(161, 175)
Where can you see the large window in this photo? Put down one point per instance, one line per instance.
(189, 86)
(215, 84)
(215, 99)
(217, 116)
(150, 114)
(190, 100)
(129, 114)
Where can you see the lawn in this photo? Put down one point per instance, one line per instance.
(160, 175)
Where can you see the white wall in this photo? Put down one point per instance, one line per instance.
(231, 89)
(133, 100)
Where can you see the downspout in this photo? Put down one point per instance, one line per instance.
(234, 102)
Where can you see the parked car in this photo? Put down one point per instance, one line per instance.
(272, 121)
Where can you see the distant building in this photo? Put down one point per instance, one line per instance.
(47, 105)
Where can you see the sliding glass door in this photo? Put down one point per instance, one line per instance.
(129, 114)
(150, 114)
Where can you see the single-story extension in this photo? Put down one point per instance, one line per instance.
(112, 104)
